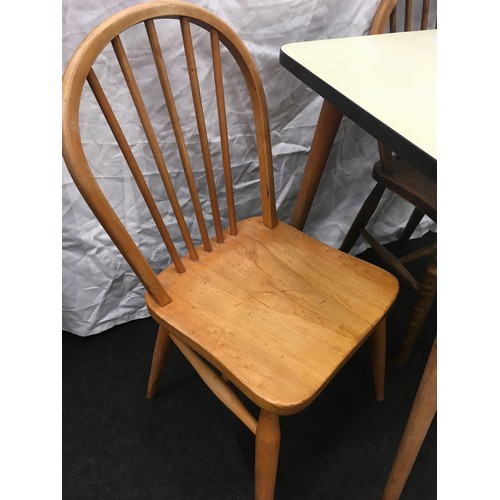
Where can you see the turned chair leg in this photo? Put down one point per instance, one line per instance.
(363, 217)
(414, 220)
(160, 354)
(378, 353)
(425, 299)
(267, 443)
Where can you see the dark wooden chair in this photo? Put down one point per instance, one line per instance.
(410, 183)
(258, 305)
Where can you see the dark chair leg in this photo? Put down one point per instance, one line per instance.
(414, 220)
(363, 217)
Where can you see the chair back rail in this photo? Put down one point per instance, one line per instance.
(80, 69)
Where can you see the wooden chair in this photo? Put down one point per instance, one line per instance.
(407, 181)
(260, 305)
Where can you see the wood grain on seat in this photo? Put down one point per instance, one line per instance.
(275, 311)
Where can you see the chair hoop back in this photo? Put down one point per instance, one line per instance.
(80, 70)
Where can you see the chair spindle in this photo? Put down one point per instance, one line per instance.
(425, 15)
(200, 121)
(393, 21)
(153, 143)
(176, 126)
(408, 13)
(221, 109)
(112, 121)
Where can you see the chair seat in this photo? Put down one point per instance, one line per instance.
(324, 304)
(409, 183)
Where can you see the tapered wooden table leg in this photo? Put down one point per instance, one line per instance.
(326, 130)
(423, 411)
(267, 443)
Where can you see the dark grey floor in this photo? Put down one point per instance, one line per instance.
(186, 445)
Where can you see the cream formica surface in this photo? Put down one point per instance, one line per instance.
(386, 83)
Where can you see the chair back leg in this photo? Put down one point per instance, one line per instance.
(425, 299)
(414, 220)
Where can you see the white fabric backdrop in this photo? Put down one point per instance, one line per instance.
(99, 289)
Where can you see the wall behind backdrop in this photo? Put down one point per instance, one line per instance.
(99, 289)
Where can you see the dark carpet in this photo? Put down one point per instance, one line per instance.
(185, 444)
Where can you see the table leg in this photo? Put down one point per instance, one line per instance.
(423, 411)
(326, 130)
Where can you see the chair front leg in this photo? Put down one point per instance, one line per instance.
(378, 354)
(267, 444)
(160, 354)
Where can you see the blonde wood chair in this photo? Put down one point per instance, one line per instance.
(407, 181)
(259, 305)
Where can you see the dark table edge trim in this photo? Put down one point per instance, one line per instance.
(398, 143)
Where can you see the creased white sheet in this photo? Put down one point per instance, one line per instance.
(99, 289)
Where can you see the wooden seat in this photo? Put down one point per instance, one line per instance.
(263, 302)
(251, 303)
(413, 185)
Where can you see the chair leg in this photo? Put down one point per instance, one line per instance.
(160, 354)
(423, 411)
(414, 220)
(363, 217)
(378, 352)
(425, 298)
(267, 443)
